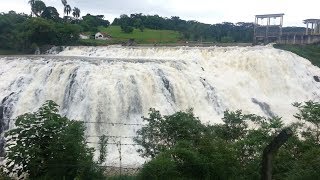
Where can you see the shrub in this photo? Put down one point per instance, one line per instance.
(46, 145)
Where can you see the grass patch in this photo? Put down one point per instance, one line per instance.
(310, 52)
(148, 36)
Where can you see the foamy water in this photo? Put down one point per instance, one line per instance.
(119, 84)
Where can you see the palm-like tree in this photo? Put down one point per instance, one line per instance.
(38, 7)
(76, 12)
(67, 9)
(50, 13)
(31, 2)
(64, 2)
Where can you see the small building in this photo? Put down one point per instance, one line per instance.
(83, 36)
(102, 36)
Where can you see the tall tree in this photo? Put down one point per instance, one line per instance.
(31, 2)
(67, 9)
(309, 113)
(76, 12)
(163, 132)
(38, 7)
(64, 2)
(50, 13)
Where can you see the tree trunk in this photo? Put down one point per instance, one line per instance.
(270, 151)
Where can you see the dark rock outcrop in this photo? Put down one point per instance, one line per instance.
(264, 107)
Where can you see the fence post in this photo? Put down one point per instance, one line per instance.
(120, 156)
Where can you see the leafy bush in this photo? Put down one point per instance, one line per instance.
(163, 132)
(46, 145)
(208, 160)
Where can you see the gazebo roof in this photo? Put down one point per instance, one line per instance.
(311, 21)
(270, 15)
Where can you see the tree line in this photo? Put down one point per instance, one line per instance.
(191, 30)
(45, 145)
(44, 26)
(23, 33)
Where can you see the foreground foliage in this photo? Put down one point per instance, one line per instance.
(180, 147)
(46, 145)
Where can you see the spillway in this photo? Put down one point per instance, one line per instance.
(110, 88)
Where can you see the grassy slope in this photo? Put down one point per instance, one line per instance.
(147, 36)
(310, 52)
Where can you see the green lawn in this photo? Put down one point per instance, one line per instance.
(310, 52)
(146, 37)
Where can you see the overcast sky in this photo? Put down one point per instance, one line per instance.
(207, 11)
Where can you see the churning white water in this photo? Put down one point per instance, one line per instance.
(119, 85)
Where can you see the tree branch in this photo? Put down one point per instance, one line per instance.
(271, 150)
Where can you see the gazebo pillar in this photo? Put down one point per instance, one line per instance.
(262, 31)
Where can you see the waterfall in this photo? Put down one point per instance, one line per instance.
(108, 87)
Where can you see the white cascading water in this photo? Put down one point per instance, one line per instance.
(119, 84)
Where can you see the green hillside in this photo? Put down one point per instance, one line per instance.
(147, 36)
